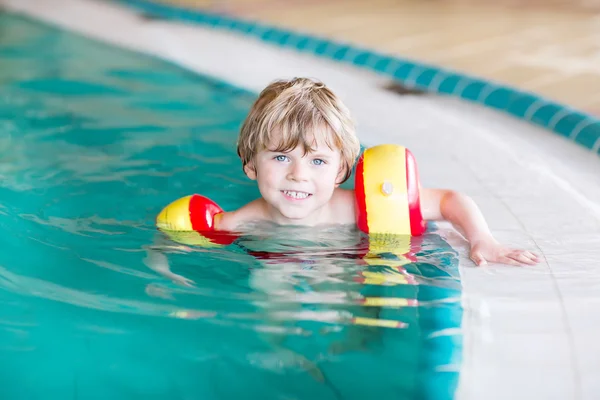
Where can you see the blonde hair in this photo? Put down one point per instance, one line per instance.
(298, 111)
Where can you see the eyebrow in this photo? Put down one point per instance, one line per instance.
(311, 154)
(320, 155)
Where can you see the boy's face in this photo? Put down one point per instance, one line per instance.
(297, 187)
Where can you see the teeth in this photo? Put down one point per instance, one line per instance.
(296, 195)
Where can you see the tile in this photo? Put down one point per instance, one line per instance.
(583, 313)
(520, 383)
(590, 385)
(507, 283)
(587, 354)
(578, 278)
(499, 217)
(527, 317)
(519, 366)
(587, 349)
(575, 241)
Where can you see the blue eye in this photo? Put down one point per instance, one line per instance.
(318, 161)
(280, 158)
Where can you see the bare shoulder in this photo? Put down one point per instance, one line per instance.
(343, 206)
(233, 220)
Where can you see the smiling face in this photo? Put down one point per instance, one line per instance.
(297, 185)
(299, 142)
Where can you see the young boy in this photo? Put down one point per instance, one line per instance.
(298, 142)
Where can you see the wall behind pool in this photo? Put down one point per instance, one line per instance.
(575, 125)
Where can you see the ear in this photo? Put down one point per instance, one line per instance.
(250, 170)
(340, 176)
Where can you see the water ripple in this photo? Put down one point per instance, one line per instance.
(93, 142)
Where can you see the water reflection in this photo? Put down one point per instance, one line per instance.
(331, 295)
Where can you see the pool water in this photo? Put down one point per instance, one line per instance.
(94, 141)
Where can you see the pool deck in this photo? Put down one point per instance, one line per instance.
(551, 51)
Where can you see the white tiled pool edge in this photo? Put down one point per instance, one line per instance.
(477, 157)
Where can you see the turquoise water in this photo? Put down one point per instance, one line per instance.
(93, 142)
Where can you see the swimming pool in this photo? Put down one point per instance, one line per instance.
(94, 141)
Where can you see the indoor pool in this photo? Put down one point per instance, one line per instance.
(94, 141)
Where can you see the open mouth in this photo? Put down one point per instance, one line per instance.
(292, 194)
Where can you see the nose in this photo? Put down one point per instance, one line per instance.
(298, 172)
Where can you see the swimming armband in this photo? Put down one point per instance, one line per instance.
(191, 220)
(387, 192)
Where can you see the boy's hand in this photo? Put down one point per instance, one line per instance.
(182, 280)
(489, 250)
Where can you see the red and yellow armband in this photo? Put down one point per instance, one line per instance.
(191, 220)
(387, 192)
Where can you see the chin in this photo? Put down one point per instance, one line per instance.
(296, 217)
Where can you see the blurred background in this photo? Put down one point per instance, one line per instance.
(550, 47)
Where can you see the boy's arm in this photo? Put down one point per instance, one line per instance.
(230, 221)
(157, 261)
(463, 213)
